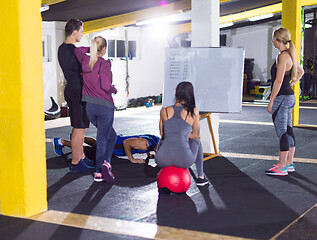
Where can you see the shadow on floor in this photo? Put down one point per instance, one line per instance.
(234, 204)
(310, 128)
(91, 199)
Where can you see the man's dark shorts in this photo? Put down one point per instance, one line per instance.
(77, 108)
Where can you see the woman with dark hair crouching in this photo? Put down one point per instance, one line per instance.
(180, 133)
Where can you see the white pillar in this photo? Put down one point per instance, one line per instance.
(205, 23)
(205, 33)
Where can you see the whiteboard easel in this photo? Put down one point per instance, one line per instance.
(217, 77)
(210, 155)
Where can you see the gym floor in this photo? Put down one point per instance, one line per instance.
(241, 202)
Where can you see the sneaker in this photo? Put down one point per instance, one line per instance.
(81, 167)
(106, 172)
(98, 177)
(57, 147)
(202, 181)
(290, 168)
(88, 161)
(277, 171)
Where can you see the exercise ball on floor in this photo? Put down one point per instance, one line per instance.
(176, 180)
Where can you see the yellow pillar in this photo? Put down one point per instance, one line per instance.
(291, 19)
(22, 135)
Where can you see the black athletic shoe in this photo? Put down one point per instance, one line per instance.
(81, 167)
(88, 161)
(202, 181)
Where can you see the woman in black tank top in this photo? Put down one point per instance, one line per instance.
(286, 71)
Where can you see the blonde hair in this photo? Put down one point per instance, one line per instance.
(283, 35)
(96, 47)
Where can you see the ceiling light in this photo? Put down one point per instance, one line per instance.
(260, 17)
(44, 7)
(163, 3)
(224, 25)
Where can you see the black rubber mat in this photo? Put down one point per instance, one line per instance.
(304, 228)
(240, 203)
(241, 200)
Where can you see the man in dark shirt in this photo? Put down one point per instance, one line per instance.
(73, 92)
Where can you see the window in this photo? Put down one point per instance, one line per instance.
(120, 49)
(132, 49)
(116, 49)
(111, 48)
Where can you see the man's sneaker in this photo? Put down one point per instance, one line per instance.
(202, 181)
(81, 167)
(57, 147)
(98, 177)
(88, 161)
(290, 168)
(277, 171)
(106, 172)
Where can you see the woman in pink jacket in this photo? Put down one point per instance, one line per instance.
(97, 93)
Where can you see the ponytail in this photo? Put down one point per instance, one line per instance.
(96, 47)
(292, 51)
(93, 54)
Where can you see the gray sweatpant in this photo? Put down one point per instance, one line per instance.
(282, 119)
(182, 157)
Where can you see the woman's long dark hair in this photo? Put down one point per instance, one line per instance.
(185, 93)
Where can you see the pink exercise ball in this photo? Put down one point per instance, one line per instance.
(175, 179)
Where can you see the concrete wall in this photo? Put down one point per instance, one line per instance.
(53, 77)
(146, 70)
(257, 42)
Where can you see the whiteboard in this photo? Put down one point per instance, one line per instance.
(216, 74)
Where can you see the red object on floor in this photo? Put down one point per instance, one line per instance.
(174, 179)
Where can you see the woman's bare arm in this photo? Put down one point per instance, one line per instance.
(195, 133)
(162, 116)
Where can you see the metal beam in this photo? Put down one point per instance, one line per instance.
(292, 20)
(274, 8)
(309, 2)
(186, 27)
(51, 2)
(133, 17)
(23, 185)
